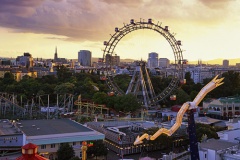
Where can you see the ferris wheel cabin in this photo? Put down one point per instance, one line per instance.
(166, 28)
(111, 94)
(103, 78)
(183, 81)
(132, 21)
(105, 43)
(150, 20)
(173, 97)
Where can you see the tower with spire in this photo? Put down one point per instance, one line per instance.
(55, 55)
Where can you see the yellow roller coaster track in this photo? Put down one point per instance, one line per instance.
(214, 83)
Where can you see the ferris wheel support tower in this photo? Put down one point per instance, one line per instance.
(141, 85)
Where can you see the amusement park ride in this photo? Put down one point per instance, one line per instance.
(149, 97)
(140, 85)
(140, 82)
(188, 106)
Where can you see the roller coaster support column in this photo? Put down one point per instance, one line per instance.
(192, 135)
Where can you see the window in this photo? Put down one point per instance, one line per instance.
(229, 108)
(236, 108)
(74, 143)
(52, 145)
(43, 146)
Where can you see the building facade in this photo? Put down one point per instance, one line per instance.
(26, 60)
(48, 135)
(223, 107)
(163, 62)
(84, 57)
(225, 63)
(214, 149)
(152, 60)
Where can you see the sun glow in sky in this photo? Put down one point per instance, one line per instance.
(208, 29)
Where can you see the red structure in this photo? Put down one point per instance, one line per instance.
(29, 152)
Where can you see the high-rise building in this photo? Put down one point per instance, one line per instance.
(115, 60)
(163, 62)
(225, 63)
(84, 57)
(108, 59)
(112, 60)
(152, 60)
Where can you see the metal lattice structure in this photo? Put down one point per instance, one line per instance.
(164, 31)
(33, 107)
(141, 85)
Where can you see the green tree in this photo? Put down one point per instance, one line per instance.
(8, 78)
(75, 158)
(182, 96)
(48, 79)
(122, 81)
(65, 152)
(189, 80)
(126, 103)
(63, 73)
(188, 87)
(160, 83)
(110, 101)
(97, 149)
(100, 98)
(209, 131)
(86, 87)
(64, 88)
(28, 87)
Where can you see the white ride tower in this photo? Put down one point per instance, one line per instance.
(141, 85)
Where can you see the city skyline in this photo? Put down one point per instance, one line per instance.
(208, 29)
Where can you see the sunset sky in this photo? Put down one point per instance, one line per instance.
(208, 29)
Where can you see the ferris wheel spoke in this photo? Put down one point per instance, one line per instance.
(177, 52)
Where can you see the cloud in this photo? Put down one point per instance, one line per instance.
(216, 4)
(94, 20)
(58, 38)
(131, 3)
(20, 8)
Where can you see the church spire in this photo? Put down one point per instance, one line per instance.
(55, 55)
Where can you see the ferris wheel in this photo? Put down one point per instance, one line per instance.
(177, 75)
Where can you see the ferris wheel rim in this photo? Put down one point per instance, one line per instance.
(164, 31)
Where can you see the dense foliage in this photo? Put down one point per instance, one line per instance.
(97, 149)
(208, 130)
(65, 152)
(91, 88)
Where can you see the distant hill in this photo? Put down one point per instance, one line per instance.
(213, 61)
(94, 59)
(217, 61)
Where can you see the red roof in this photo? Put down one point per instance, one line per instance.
(29, 146)
(30, 156)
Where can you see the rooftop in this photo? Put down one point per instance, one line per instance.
(206, 120)
(52, 126)
(6, 127)
(217, 145)
(230, 99)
